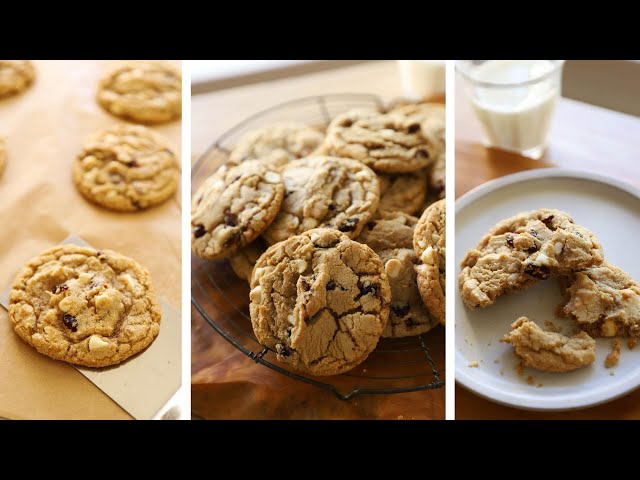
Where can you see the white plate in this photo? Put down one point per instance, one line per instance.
(609, 209)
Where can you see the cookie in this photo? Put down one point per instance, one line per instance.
(232, 207)
(84, 306)
(320, 301)
(605, 301)
(403, 192)
(385, 142)
(142, 91)
(325, 192)
(432, 117)
(388, 230)
(438, 177)
(3, 154)
(15, 76)
(523, 249)
(277, 144)
(126, 168)
(243, 261)
(429, 244)
(550, 351)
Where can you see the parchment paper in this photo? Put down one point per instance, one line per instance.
(39, 206)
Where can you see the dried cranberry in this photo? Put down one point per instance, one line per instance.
(230, 219)
(424, 154)
(510, 240)
(349, 225)
(547, 220)
(400, 309)
(332, 207)
(346, 123)
(413, 128)
(133, 163)
(199, 231)
(70, 322)
(282, 349)
(537, 271)
(331, 285)
(533, 232)
(367, 288)
(60, 289)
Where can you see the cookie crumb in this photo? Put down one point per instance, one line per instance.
(400, 417)
(631, 343)
(612, 373)
(496, 361)
(502, 372)
(540, 385)
(530, 380)
(473, 364)
(520, 369)
(613, 358)
(551, 327)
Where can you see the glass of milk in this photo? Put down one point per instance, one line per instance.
(514, 100)
(422, 78)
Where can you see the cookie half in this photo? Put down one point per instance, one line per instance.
(550, 351)
(325, 192)
(429, 244)
(232, 207)
(387, 143)
(15, 76)
(84, 306)
(127, 168)
(277, 144)
(605, 301)
(523, 249)
(142, 91)
(320, 301)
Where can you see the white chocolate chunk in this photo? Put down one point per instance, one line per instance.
(272, 177)
(427, 257)
(96, 343)
(393, 268)
(256, 295)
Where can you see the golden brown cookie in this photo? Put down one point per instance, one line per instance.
(519, 251)
(15, 76)
(142, 91)
(233, 207)
(320, 301)
(126, 168)
(277, 144)
(429, 244)
(325, 192)
(84, 306)
(550, 351)
(605, 301)
(387, 143)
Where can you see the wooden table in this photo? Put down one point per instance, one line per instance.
(582, 137)
(226, 383)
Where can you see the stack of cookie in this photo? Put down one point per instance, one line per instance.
(321, 224)
(603, 300)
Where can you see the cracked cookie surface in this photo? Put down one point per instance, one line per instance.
(605, 301)
(432, 117)
(320, 301)
(126, 168)
(430, 245)
(325, 192)
(15, 76)
(387, 143)
(388, 230)
(550, 351)
(525, 248)
(277, 144)
(232, 207)
(142, 91)
(403, 192)
(84, 306)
